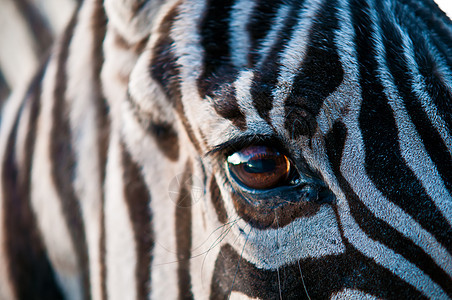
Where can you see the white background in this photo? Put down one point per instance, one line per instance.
(446, 6)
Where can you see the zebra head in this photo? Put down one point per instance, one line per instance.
(296, 148)
(254, 149)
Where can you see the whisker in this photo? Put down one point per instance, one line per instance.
(237, 237)
(216, 242)
(301, 274)
(218, 228)
(302, 281)
(224, 234)
(279, 283)
(238, 265)
(277, 269)
(219, 239)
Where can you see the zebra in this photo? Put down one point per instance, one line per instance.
(233, 149)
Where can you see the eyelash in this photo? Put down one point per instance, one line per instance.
(236, 144)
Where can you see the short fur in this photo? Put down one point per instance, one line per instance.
(114, 182)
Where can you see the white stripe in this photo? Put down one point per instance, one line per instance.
(208, 235)
(415, 155)
(239, 296)
(84, 133)
(56, 12)
(133, 25)
(384, 256)
(255, 124)
(292, 60)
(187, 44)
(157, 176)
(353, 170)
(411, 145)
(240, 38)
(371, 197)
(45, 201)
(337, 104)
(189, 55)
(272, 35)
(420, 90)
(351, 294)
(120, 243)
(352, 167)
(307, 237)
(118, 64)
(18, 53)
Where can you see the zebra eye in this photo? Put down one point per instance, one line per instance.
(259, 167)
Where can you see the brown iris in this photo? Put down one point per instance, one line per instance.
(259, 167)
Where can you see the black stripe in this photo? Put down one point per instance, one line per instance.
(188, 129)
(29, 266)
(165, 71)
(63, 163)
(321, 277)
(166, 138)
(163, 66)
(441, 96)
(430, 11)
(138, 202)
(215, 40)
(103, 253)
(219, 73)
(261, 19)
(266, 79)
(98, 25)
(425, 16)
(320, 75)
(183, 233)
(138, 6)
(137, 47)
(225, 102)
(384, 163)
(398, 67)
(217, 201)
(375, 228)
(436, 87)
(37, 24)
(4, 90)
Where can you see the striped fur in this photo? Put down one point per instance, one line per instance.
(27, 29)
(114, 183)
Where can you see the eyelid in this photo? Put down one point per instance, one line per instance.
(239, 143)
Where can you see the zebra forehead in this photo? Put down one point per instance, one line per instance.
(280, 86)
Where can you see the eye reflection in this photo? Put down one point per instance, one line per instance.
(259, 167)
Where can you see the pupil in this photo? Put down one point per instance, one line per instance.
(260, 166)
